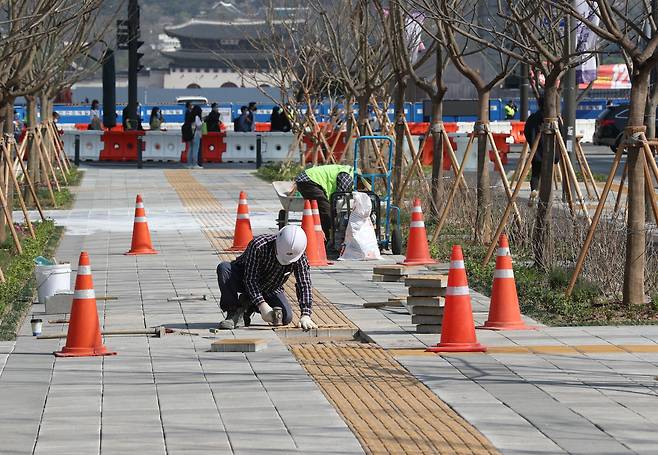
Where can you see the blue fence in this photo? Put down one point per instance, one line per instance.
(414, 112)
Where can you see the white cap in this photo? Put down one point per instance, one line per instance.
(290, 244)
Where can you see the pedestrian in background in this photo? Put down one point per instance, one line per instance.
(95, 122)
(157, 119)
(214, 119)
(243, 122)
(187, 129)
(510, 110)
(193, 152)
(253, 109)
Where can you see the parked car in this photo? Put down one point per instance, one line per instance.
(610, 124)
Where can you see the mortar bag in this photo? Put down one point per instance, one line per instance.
(360, 238)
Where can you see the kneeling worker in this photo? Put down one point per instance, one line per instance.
(254, 280)
(320, 183)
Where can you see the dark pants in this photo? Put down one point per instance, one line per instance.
(536, 174)
(231, 284)
(313, 191)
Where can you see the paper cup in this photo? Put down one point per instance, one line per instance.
(37, 324)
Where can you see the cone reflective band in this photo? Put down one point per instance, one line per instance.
(504, 311)
(308, 225)
(242, 234)
(83, 338)
(322, 252)
(457, 329)
(141, 242)
(418, 252)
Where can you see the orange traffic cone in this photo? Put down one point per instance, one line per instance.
(504, 312)
(308, 225)
(418, 252)
(322, 252)
(84, 336)
(141, 243)
(458, 331)
(243, 234)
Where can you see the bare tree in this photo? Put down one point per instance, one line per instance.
(403, 39)
(632, 26)
(453, 15)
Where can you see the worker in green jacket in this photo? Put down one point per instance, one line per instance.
(320, 183)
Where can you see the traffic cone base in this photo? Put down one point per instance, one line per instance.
(418, 252)
(457, 347)
(141, 241)
(458, 329)
(83, 338)
(242, 234)
(504, 312)
(506, 326)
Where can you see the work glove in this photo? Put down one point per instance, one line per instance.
(266, 312)
(306, 323)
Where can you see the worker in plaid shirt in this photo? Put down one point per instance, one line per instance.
(254, 280)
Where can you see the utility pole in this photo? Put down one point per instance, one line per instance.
(525, 89)
(134, 57)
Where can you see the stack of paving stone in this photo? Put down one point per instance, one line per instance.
(393, 273)
(426, 300)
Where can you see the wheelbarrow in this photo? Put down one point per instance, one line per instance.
(289, 203)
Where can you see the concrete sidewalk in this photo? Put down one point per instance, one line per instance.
(553, 390)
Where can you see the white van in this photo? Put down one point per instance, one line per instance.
(202, 100)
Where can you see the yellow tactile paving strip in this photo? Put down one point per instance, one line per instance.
(209, 212)
(544, 349)
(388, 409)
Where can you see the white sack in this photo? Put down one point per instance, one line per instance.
(360, 239)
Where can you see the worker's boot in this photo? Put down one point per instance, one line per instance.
(235, 316)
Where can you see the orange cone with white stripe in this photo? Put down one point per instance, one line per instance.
(504, 312)
(84, 336)
(141, 243)
(322, 251)
(458, 329)
(242, 235)
(418, 251)
(308, 225)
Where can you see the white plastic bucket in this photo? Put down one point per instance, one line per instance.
(52, 279)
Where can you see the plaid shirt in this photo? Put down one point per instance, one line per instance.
(263, 274)
(302, 177)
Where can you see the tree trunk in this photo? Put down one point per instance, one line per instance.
(8, 129)
(635, 230)
(364, 158)
(541, 241)
(650, 123)
(437, 154)
(34, 161)
(483, 211)
(400, 138)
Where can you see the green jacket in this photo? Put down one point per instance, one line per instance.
(325, 176)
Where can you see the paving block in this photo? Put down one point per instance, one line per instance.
(423, 319)
(428, 328)
(390, 270)
(426, 292)
(59, 303)
(426, 281)
(423, 310)
(386, 278)
(238, 345)
(425, 301)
